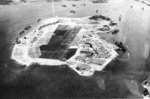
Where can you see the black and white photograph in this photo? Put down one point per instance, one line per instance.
(74, 49)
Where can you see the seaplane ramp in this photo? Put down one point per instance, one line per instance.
(75, 42)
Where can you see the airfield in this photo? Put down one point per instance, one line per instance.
(50, 43)
(122, 77)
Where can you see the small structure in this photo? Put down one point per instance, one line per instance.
(120, 17)
(27, 27)
(112, 23)
(39, 20)
(96, 11)
(115, 31)
(142, 8)
(74, 5)
(64, 6)
(72, 11)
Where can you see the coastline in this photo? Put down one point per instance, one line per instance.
(23, 47)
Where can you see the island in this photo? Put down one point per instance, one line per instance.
(75, 42)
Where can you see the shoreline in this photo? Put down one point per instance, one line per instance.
(21, 51)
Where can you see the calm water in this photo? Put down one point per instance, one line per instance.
(119, 79)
